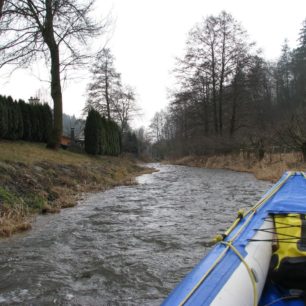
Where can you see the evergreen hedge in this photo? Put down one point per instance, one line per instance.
(20, 120)
(102, 136)
(130, 143)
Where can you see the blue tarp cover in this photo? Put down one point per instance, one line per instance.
(291, 198)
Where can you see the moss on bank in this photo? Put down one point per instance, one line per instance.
(36, 180)
(270, 168)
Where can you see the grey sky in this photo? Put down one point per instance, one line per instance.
(148, 34)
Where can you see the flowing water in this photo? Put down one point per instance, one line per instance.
(126, 246)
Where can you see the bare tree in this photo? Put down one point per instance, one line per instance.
(157, 125)
(143, 139)
(228, 97)
(216, 46)
(55, 30)
(105, 84)
(107, 94)
(124, 106)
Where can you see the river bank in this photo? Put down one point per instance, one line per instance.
(270, 168)
(35, 180)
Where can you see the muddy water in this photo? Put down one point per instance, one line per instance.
(126, 246)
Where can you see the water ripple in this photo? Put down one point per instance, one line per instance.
(126, 246)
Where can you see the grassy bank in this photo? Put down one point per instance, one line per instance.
(36, 180)
(270, 168)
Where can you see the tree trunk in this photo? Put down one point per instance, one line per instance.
(107, 93)
(205, 99)
(234, 107)
(233, 117)
(221, 88)
(222, 75)
(56, 93)
(205, 109)
(1, 6)
(214, 93)
(56, 90)
(221, 107)
(260, 151)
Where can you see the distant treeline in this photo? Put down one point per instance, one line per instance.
(102, 136)
(228, 97)
(20, 120)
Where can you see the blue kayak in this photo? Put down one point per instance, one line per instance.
(238, 270)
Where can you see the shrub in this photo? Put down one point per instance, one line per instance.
(102, 136)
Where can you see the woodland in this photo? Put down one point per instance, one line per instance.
(229, 98)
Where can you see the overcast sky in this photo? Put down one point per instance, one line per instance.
(147, 35)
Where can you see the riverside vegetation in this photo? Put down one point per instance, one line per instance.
(35, 180)
(271, 167)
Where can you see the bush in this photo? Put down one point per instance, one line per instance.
(130, 143)
(102, 136)
(92, 133)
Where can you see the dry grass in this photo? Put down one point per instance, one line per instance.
(37, 180)
(33, 153)
(270, 168)
(14, 219)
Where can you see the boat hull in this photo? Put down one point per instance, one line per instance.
(235, 271)
(258, 260)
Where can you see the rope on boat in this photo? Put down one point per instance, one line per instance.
(251, 212)
(249, 269)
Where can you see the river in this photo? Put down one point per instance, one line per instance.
(126, 246)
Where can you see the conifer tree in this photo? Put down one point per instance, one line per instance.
(3, 118)
(92, 133)
(47, 122)
(27, 123)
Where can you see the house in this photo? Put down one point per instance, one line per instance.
(72, 142)
(65, 142)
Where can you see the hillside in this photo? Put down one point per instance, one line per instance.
(36, 180)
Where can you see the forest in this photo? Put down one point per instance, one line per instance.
(228, 97)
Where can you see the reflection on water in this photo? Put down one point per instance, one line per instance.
(126, 246)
